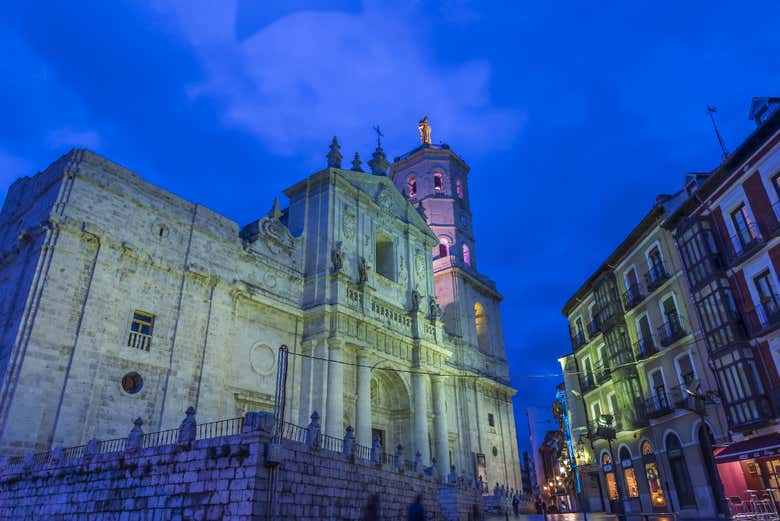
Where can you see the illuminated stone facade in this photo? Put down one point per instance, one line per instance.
(119, 299)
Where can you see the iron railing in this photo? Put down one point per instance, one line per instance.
(743, 243)
(632, 296)
(115, 445)
(578, 339)
(764, 316)
(644, 348)
(594, 327)
(671, 330)
(656, 276)
(219, 428)
(158, 439)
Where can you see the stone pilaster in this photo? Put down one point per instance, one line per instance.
(420, 416)
(363, 401)
(440, 425)
(334, 415)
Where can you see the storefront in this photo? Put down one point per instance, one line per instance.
(653, 475)
(750, 471)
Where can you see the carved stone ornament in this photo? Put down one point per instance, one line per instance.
(336, 258)
(362, 270)
(275, 236)
(419, 264)
(348, 224)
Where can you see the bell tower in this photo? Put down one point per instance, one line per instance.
(435, 180)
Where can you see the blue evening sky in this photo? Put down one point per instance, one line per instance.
(573, 116)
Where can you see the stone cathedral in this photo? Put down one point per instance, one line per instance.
(119, 300)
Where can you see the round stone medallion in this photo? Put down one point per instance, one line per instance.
(262, 359)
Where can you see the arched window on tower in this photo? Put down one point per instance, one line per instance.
(466, 255)
(411, 185)
(443, 248)
(459, 188)
(481, 322)
(438, 183)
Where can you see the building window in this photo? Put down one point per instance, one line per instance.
(609, 476)
(685, 371)
(481, 323)
(742, 225)
(628, 473)
(141, 330)
(385, 257)
(596, 410)
(443, 248)
(459, 188)
(438, 183)
(411, 185)
(766, 296)
(680, 476)
(653, 475)
(132, 383)
(466, 255)
(491, 420)
(776, 183)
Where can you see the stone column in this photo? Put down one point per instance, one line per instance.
(420, 417)
(440, 426)
(334, 416)
(363, 432)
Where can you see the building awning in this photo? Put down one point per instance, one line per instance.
(758, 447)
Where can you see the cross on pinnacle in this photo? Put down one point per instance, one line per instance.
(379, 136)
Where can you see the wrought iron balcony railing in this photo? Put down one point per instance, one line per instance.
(578, 339)
(587, 383)
(764, 316)
(743, 243)
(644, 348)
(658, 404)
(672, 330)
(603, 373)
(594, 327)
(656, 275)
(632, 296)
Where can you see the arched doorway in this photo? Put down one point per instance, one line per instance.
(679, 469)
(629, 479)
(653, 474)
(706, 442)
(611, 481)
(391, 413)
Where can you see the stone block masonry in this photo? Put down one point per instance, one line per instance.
(168, 477)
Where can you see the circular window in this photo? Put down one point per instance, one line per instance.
(495, 452)
(132, 383)
(262, 359)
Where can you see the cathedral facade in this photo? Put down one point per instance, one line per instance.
(120, 300)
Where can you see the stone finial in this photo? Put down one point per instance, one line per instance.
(357, 164)
(313, 431)
(376, 450)
(398, 458)
(334, 156)
(418, 465)
(135, 439)
(92, 449)
(275, 212)
(379, 163)
(349, 441)
(188, 427)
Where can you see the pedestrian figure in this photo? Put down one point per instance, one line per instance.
(516, 506)
(538, 505)
(416, 510)
(371, 512)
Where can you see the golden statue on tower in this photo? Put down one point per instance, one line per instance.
(425, 131)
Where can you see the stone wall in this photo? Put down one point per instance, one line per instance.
(223, 477)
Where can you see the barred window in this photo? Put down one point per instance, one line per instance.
(141, 330)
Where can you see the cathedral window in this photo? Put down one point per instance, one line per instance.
(412, 186)
(132, 383)
(459, 188)
(438, 183)
(481, 322)
(466, 255)
(141, 330)
(443, 248)
(491, 420)
(385, 257)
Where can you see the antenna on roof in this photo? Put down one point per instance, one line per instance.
(711, 111)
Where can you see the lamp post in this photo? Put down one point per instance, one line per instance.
(605, 430)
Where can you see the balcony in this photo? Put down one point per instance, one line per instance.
(632, 296)
(655, 276)
(587, 383)
(765, 316)
(609, 314)
(578, 340)
(594, 327)
(622, 357)
(658, 405)
(672, 330)
(644, 348)
(603, 374)
(743, 243)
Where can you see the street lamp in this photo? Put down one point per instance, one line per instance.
(605, 430)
